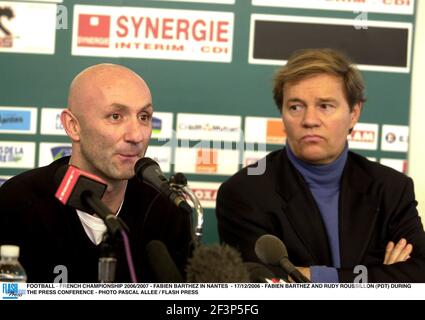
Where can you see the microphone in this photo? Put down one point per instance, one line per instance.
(258, 273)
(149, 172)
(161, 263)
(271, 250)
(217, 264)
(83, 191)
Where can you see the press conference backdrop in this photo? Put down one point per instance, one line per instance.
(210, 66)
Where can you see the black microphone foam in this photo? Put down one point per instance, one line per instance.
(271, 250)
(148, 171)
(258, 273)
(218, 264)
(161, 263)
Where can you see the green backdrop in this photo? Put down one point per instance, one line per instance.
(236, 88)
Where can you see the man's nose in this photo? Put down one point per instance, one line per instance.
(135, 131)
(311, 117)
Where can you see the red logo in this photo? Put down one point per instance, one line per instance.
(404, 166)
(362, 136)
(205, 194)
(94, 30)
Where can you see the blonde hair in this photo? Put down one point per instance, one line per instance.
(310, 62)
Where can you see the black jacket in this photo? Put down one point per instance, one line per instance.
(376, 205)
(50, 234)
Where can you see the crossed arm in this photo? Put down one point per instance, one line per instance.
(394, 253)
(399, 252)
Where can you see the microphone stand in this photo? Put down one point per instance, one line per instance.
(178, 183)
(107, 259)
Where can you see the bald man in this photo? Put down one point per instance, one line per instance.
(109, 121)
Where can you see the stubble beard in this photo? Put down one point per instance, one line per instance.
(102, 163)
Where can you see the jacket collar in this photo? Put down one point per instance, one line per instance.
(357, 212)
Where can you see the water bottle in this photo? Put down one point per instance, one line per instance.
(10, 268)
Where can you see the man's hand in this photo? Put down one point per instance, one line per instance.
(305, 271)
(394, 253)
(397, 253)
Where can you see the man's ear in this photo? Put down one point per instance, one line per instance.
(71, 125)
(355, 115)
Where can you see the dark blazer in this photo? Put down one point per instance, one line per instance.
(50, 234)
(376, 205)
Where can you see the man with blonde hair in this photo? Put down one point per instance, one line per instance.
(332, 208)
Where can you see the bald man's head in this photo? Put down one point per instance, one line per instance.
(86, 88)
(109, 120)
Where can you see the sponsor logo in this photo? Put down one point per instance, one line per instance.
(7, 119)
(18, 120)
(396, 7)
(390, 137)
(208, 127)
(94, 30)
(27, 27)
(6, 37)
(206, 192)
(276, 133)
(206, 161)
(153, 33)
(395, 138)
(162, 125)
(156, 125)
(364, 136)
(50, 151)
(60, 152)
(162, 155)
(264, 130)
(17, 154)
(51, 121)
(404, 167)
(58, 123)
(11, 154)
